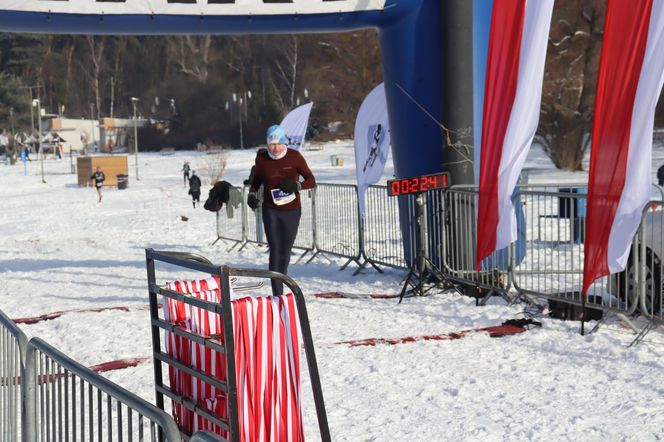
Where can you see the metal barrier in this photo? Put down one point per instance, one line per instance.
(546, 261)
(74, 403)
(651, 253)
(550, 264)
(337, 222)
(382, 236)
(253, 220)
(459, 230)
(227, 347)
(230, 219)
(14, 392)
(305, 235)
(206, 436)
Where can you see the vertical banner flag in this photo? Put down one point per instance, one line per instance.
(295, 124)
(512, 95)
(372, 139)
(629, 81)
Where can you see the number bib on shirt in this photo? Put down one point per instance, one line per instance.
(280, 197)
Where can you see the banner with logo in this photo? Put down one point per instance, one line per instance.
(372, 139)
(295, 124)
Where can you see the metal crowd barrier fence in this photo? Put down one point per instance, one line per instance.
(75, 403)
(206, 436)
(458, 237)
(224, 273)
(253, 220)
(651, 253)
(305, 235)
(14, 390)
(550, 261)
(337, 221)
(231, 218)
(382, 236)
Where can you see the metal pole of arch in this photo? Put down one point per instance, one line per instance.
(457, 109)
(37, 103)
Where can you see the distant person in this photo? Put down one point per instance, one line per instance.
(278, 169)
(660, 175)
(185, 172)
(195, 188)
(26, 152)
(98, 177)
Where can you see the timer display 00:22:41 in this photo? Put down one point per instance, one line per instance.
(417, 184)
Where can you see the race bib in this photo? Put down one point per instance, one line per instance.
(280, 197)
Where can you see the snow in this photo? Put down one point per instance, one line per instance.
(60, 250)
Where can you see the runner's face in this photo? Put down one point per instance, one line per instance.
(276, 149)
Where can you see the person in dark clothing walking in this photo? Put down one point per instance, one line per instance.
(185, 171)
(195, 188)
(278, 169)
(98, 177)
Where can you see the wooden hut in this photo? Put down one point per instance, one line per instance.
(112, 166)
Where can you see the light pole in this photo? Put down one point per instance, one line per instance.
(173, 109)
(36, 103)
(134, 100)
(32, 118)
(243, 99)
(11, 118)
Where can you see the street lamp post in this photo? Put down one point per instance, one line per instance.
(11, 119)
(242, 99)
(134, 100)
(36, 103)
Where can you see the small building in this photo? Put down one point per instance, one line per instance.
(112, 166)
(81, 135)
(118, 134)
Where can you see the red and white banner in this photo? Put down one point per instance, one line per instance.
(512, 94)
(267, 363)
(629, 83)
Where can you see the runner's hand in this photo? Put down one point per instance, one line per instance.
(252, 201)
(289, 185)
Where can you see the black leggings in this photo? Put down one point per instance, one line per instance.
(281, 230)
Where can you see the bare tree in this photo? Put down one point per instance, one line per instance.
(214, 166)
(285, 75)
(191, 54)
(97, 45)
(570, 78)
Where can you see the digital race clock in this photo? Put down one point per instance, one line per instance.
(418, 184)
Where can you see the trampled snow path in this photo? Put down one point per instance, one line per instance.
(60, 250)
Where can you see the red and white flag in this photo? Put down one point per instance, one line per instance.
(512, 95)
(629, 82)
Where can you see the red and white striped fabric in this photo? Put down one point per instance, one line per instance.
(180, 348)
(513, 90)
(198, 285)
(268, 372)
(266, 337)
(206, 323)
(629, 83)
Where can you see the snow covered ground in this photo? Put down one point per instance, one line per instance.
(61, 250)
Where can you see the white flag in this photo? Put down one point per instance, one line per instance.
(372, 139)
(295, 124)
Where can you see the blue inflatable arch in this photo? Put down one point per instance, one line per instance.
(408, 30)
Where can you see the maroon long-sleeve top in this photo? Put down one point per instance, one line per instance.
(271, 173)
